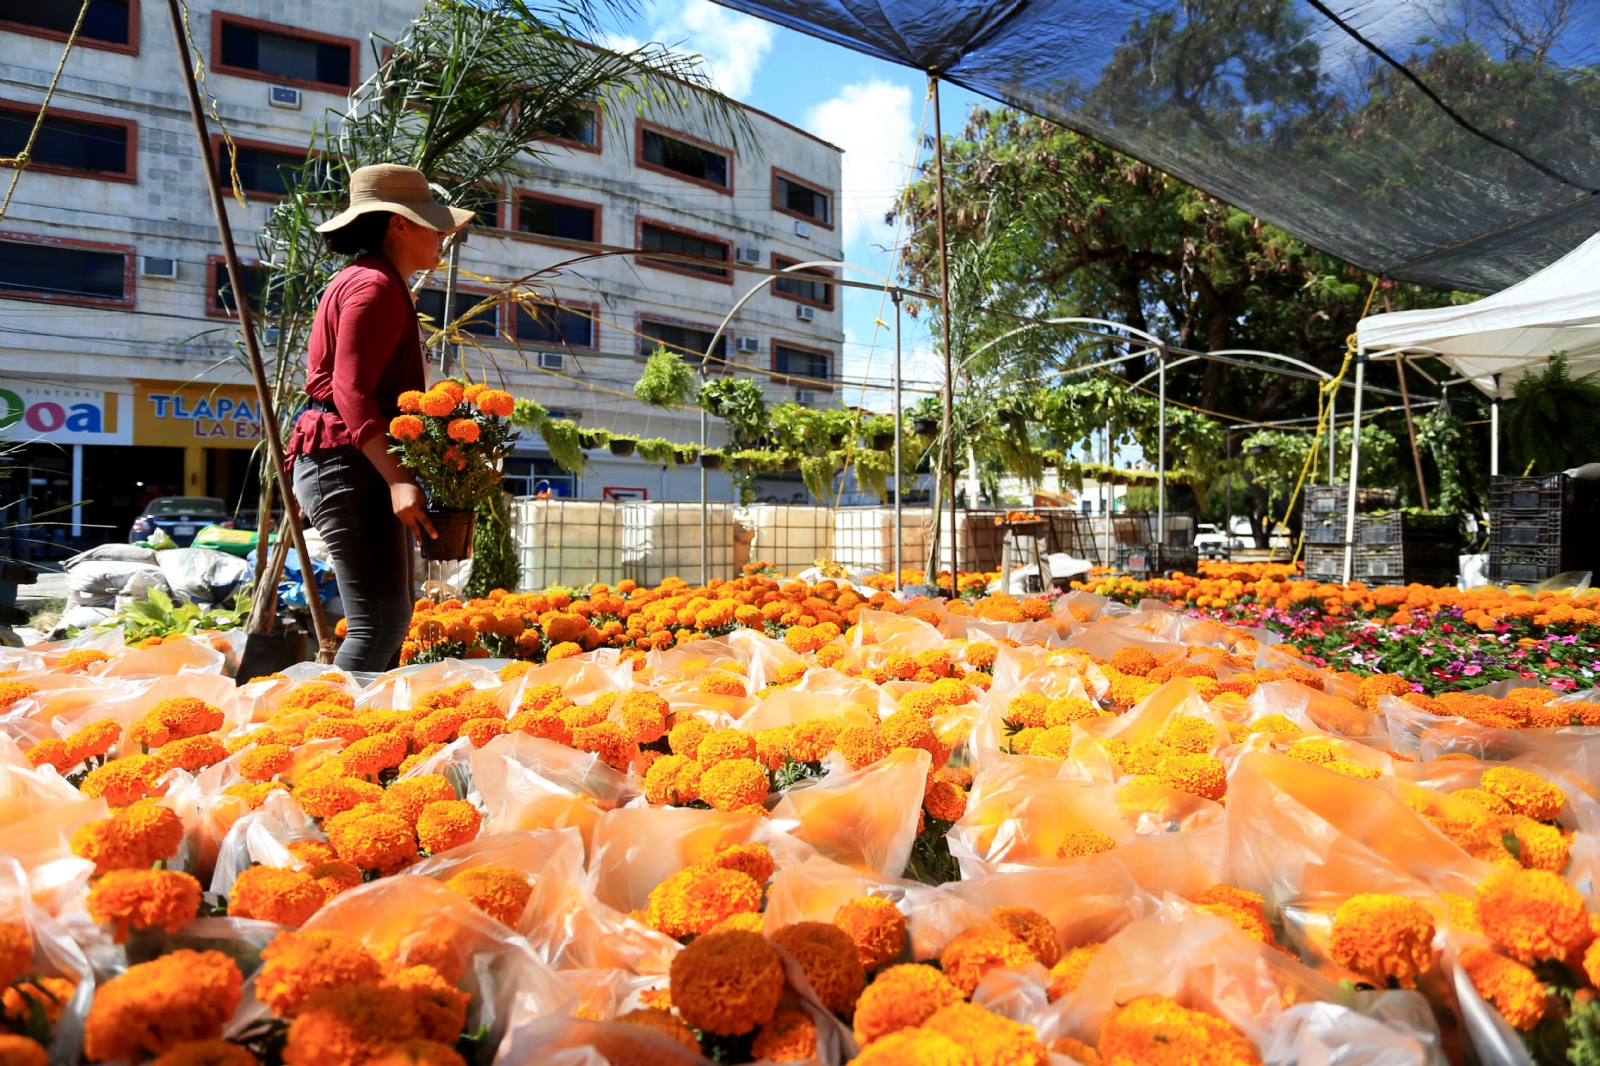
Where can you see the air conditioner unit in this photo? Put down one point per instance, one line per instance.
(153, 266)
(283, 96)
(552, 361)
(802, 229)
(804, 313)
(805, 397)
(746, 255)
(270, 334)
(747, 344)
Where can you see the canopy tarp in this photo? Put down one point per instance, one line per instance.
(1453, 143)
(1511, 333)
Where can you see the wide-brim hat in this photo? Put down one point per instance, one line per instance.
(398, 189)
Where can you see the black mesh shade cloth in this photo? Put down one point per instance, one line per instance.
(1453, 143)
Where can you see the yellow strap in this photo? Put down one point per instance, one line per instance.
(20, 161)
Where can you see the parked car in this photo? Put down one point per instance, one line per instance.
(181, 517)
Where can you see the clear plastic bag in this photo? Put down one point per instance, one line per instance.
(863, 818)
(525, 782)
(561, 1041)
(637, 848)
(55, 954)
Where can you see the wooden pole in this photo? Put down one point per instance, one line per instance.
(269, 416)
(1411, 429)
(949, 366)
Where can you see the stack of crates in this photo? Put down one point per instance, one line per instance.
(1541, 527)
(1139, 552)
(1324, 518)
(1400, 549)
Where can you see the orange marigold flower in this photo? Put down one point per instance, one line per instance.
(334, 877)
(409, 400)
(1155, 1031)
(684, 737)
(16, 952)
(1032, 928)
(1133, 660)
(721, 684)
(830, 961)
(990, 1038)
(135, 837)
(371, 755)
(813, 739)
(970, 955)
(902, 997)
(324, 795)
(441, 1008)
(96, 738)
(496, 402)
(274, 894)
(1486, 800)
(861, 746)
(753, 860)
(877, 928)
(734, 784)
(151, 1007)
(1528, 793)
(727, 983)
(790, 1036)
(1517, 994)
(295, 965)
(943, 801)
(436, 403)
(1533, 914)
(672, 779)
(54, 751)
(694, 899)
(207, 1053)
(1241, 898)
(1078, 843)
(15, 691)
(417, 1053)
(174, 718)
(723, 744)
(447, 824)
(498, 891)
(980, 655)
(921, 1047)
(265, 761)
(1067, 974)
(1199, 775)
(406, 427)
(1381, 936)
(464, 430)
(123, 781)
(349, 1025)
(375, 840)
(664, 1022)
(409, 795)
(644, 716)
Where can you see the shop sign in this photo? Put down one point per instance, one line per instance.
(170, 415)
(63, 413)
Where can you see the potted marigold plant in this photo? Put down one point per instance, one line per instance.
(452, 438)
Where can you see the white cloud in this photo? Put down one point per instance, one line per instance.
(733, 45)
(872, 121)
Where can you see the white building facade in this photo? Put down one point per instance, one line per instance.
(120, 364)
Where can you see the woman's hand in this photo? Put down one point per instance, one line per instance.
(408, 501)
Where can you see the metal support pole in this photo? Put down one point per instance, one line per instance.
(1105, 505)
(1355, 469)
(449, 304)
(704, 420)
(77, 484)
(269, 416)
(1161, 459)
(1411, 429)
(1494, 430)
(899, 484)
(949, 366)
(1333, 435)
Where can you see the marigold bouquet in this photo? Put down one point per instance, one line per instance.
(452, 437)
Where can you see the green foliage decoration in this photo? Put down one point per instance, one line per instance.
(667, 380)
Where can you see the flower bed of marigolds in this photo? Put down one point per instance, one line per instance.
(1237, 818)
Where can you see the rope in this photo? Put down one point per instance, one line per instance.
(20, 161)
(210, 103)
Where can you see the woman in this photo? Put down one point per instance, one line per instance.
(365, 351)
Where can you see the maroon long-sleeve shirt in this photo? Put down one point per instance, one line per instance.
(365, 351)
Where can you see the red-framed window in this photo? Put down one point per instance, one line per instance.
(579, 130)
(266, 170)
(219, 289)
(794, 196)
(799, 364)
(110, 25)
(484, 325)
(800, 287)
(653, 236)
(540, 214)
(283, 55)
(66, 271)
(688, 339)
(564, 324)
(682, 156)
(72, 142)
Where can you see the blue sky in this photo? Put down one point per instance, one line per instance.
(870, 108)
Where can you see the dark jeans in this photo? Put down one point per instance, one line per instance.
(345, 498)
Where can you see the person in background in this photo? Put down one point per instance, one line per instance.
(365, 350)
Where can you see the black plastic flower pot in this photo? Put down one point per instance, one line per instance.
(791, 463)
(711, 462)
(622, 448)
(882, 442)
(454, 542)
(925, 427)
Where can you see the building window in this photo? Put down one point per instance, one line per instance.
(69, 143)
(676, 154)
(798, 286)
(112, 23)
(580, 126)
(44, 270)
(222, 302)
(551, 324)
(687, 341)
(794, 197)
(657, 238)
(282, 54)
(802, 363)
(548, 217)
(265, 171)
(430, 306)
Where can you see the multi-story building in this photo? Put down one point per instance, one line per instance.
(120, 364)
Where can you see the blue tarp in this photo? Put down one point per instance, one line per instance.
(1453, 143)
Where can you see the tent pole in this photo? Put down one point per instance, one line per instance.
(704, 418)
(449, 303)
(1333, 436)
(1161, 460)
(898, 483)
(1411, 429)
(949, 367)
(1355, 467)
(1494, 430)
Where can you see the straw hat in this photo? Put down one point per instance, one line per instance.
(402, 190)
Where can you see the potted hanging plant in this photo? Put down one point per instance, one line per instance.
(685, 453)
(622, 447)
(667, 380)
(452, 439)
(878, 431)
(790, 461)
(561, 436)
(590, 439)
(658, 450)
(711, 459)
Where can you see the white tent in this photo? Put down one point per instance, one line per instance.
(1496, 340)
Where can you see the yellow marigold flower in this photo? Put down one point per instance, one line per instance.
(727, 983)
(694, 899)
(1533, 914)
(408, 796)
(992, 1040)
(750, 923)
(1075, 1049)
(664, 1022)
(1198, 775)
(723, 744)
(1247, 921)
(830, 961)
(295, 965)
(1032, 928)
(1190, 735)
(1528, 793)
(685, 737)
(877, 928)
(901, 997)
(734, 784)
(789, 1036)
(349, 1025)
(135, 837)
(1029, 709)
(151, 1007)
(207, 1053)
(1591, 962)
(1461, 916)
(970, 955)
(672, 779)
(1232, 896)
(1318, 751)
(813, 739)
(20, 1051)
(441, 1008)
(274, 894)
(1155, 1031)
(498, 891)
(1133, 660)
(1022, 740)
(915, 1047)
(1052, 743)
(174, 718)
(1067, 975)
(1540, 846)
(447, 824)
(1141, 758)
(1082, 842)
(1381, 936)
(123, 781)
(16, 952)
(1486, 800)
(1068, 709)
(1276, 724)
(1517, 994)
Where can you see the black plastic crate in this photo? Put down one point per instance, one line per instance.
(1331, 499)
(1424, 562)
(1546, 492)
(1399, 527)
(1153, 560)
(1518, 565)
(1547, 528)
(1324, 563)
(1324, 529)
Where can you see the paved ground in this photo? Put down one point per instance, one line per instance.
(51, 586)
